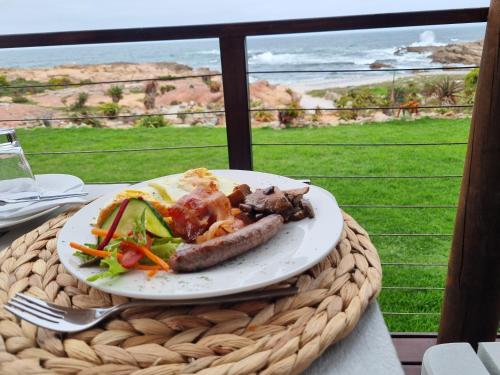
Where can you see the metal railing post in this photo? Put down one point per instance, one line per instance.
(235, 82)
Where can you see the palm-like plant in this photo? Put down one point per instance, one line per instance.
(116, 93)
(447, 90)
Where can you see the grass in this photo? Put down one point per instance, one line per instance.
(311, 160)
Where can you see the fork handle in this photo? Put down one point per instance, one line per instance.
(240, 297)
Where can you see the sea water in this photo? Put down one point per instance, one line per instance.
(314, 51)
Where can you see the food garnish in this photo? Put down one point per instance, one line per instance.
(187, 224)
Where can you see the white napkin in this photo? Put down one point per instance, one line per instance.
(50, 184)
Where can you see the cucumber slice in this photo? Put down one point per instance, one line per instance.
(154, 222)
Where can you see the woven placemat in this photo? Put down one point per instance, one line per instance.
(267, 337)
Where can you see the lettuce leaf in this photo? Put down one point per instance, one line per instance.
(114, 267)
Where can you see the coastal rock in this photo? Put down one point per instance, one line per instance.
(379, 64)
(467, 54)
(456, 53)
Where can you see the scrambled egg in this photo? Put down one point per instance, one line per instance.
(171, 188)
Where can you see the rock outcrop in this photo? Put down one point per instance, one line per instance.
(458, 53)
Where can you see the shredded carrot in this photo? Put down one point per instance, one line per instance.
(148, 253)
(89, 251)
(146, 267)
(103, 232)
(152, 273)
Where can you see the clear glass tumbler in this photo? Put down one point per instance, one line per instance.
(16, 178)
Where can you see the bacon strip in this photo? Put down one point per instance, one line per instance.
(195, 212)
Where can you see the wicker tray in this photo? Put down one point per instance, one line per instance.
(278, 337)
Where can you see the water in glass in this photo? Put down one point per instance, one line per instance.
(16, 178)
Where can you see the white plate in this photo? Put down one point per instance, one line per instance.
(47, 182)
(297, 247)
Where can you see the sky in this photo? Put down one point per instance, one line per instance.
(31, 16)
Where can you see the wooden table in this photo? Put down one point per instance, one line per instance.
(367, 350)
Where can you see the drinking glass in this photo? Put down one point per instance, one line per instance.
(16, 178)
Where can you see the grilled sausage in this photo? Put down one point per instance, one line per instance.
(194, 257)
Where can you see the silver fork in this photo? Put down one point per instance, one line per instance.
(65, 319)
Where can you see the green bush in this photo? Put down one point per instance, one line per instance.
(470, 84)
(288, 116)
(166, 88)
(110, 110)
(19, 99)
(5, 91)
(263, 116)
(358, 97)
(85, 118)
(470, 80)
(59, 82)
(116, 93)
(447, 90)
(80, 102)
(156, 121)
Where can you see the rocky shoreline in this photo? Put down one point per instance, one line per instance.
(196, 93)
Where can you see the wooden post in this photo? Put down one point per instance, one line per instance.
(233, 54)
(471, 308)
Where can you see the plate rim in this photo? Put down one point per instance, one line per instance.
(201, 294)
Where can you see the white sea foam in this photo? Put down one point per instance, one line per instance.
(427, 38)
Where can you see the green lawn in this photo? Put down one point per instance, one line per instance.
(310, 160)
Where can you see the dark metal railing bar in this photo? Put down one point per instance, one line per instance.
(366, 108)
(244, 29)
(361, 144)
(395, 206)
(123, 150)
(84, 83)
(403, 264)
(117, 116)
(373, 177)
(411, 235)
(363, 70)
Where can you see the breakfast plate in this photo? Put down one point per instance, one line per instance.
(296, 247)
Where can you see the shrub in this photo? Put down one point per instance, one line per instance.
(291, 114)
(84, 118)
(255, 103)
(214, 86)
(80, 102)
(116, 93)
(447, 90)
(150, 92)
(19, 99)
(110, 110)
(470, 84)
(59, 82)
(136, 90)
(166, 88)
(3, 81)
(156, 121)
(318, 113)
(358, 97)
(470, 80)
(175, 102)
(263, 116)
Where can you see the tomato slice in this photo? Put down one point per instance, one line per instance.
(130, 258)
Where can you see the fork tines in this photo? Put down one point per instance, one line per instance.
(36, 311)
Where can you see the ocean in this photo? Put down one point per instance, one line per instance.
(318, 51)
